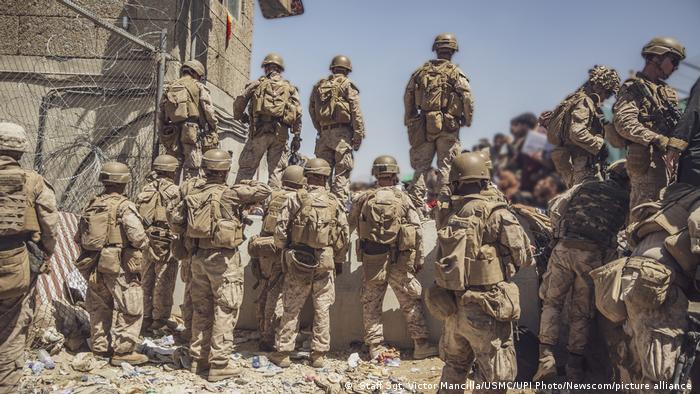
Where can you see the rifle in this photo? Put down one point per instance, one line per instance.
(666, 112)
(691, 345)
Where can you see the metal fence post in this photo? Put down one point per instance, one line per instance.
(159, 91)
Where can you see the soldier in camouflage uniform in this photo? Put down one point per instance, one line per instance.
(187, 119)
(274, 109)
(313, 256)
(334, 108)
(646, 113)
(156, 197)
(582, 138)
(586, 223)
(437, 102)
(480, 248)
(114, 297)
(391, 249)
(266, 259)
(27, 213)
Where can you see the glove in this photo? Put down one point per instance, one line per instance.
(661, 142)
(245, 118)
(338, 268)
(418, 267)
(296, 143)
(603, 153)
(356, 142)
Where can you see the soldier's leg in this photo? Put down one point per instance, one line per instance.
(556, 284)
(260, 308)
(372, 298)
(148, 282)
(408, 291)
(251, 155)
(421, 157)
(186, 306)
(323, 289)
(277, 157)
(344, 163)
(447, 148)
(99, 306)
(166, 271)
(202, 310)
(192, 154)
(325, 149)
(16, 318)
(272, 307)
(456, 352)
(582, 304)
(645, 186)
(128, 303)
(561, 157)
(295, 291)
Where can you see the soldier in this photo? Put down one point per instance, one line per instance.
(479, 250)
(111, 228)
(577, 123)
(273, 109)
(684, 145)
(187, 119)
(586, 222)
(27, 213)
(160, 266)
(215, 222)
(313, 231)
(335, 112)
(391, 251)
(437, 102)
(267, 259)
(646, 113)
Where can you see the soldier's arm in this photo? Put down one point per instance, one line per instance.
(690, 121)
(413, 218)
(465, 91)
(161, 109)
(626, 119)
(296, 103)
(579, 129)
(207, 106)
(513, 237)
(355, 210)
(342, 242)
(133, 226)
(47, 214)
(241, 102)
(312, 109)
(358, 123)
(409, 100)
(172, 194)
(283, 220)
(250, 192)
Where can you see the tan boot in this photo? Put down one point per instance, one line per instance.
(280, 359)
(199, 367)
(574, 368)
(422, 349)
(547, 367)
(132, 358)
(229, 371)
(318, 359)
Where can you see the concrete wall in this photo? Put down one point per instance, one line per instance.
(346, 313)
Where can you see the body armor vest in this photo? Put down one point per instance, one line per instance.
(17, 210)
(278, 199)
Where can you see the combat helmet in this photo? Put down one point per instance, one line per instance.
(663, 45)
(445, 40)
(604, 76)
(294, 176)
(385, 164)
(114, 172)
(13, 137)
(341, 61)
(317, 166)
(194, 65)
(216, 160)
(165, 163)
(469, 167)
(273, 58)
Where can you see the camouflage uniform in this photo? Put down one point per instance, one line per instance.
(399, 275)
(17, 294)
(335, 140)
(320, 284)
(266, 135)
(427, 142)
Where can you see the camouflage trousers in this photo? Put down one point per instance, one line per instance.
(270, 309)
(647, 178)
(407, 290)
(446, 146)
(186, 306)
(217, 292)
(17, 316)
(334, 146)
(296, 289)
(115, 305)
(657, 335)
(158, 283)
(568, 271)
(469, 336)
(574, 168)
(274, 145)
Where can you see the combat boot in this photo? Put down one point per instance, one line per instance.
(132, 358)
(376, 350)
(318, 359)
(158, 324)
(422, 349)
(547, 367)
(229, 371)
(280, 359)
(574, 368)
(199, 367)
(265, 346)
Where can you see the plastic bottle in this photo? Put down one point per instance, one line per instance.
(45, 358)
(256, 362)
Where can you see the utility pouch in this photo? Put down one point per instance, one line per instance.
(678, 246)
(433, 124)
(407, 237)
(133, 260)
(651, 287)
(607, 282)
(86, 263)
(14, 272)
(300, 263)
(416, 130)
(190, 133)
(451, 269)
(374, 267)
(109, 261)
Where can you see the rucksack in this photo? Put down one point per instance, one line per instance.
(380, 218)
(181, 101)
(17, 213)
(99, 223)
(315, 222)
(558, 120)
(271, 97)
(151, 204)
(433, 82)
(332, 106)
(277, 201)
(205, 219)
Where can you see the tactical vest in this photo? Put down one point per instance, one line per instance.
(332, 107)
(210, 221)
(100, 223)
(596, 213)
(435, 89)
(558, 125)
(381, 216)
(314, 224)
(465, 257)
(270, 101)
(656, 102)
(182, 100)
(152, 203)
(278, 200)
(17, 205)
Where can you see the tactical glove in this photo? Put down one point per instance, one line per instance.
(356, 142)
(296, 143)
(603, 153)
(660, 141)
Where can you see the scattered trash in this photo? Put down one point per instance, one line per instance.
(334, 378)
(83, 362)
(52, 340)
(159, 350)
(37, 367)
(236, 356)
(129, 370)
(414, 369)
(246, 336)
(353, 360)
(181, 358)
(46, 359)
(299, 355)
(309, 378)
(392, 362)
(166, 340)
(256, 362)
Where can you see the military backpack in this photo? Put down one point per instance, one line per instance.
(182, 100)
(332, 106)
(380, 218)
(99, 224)
(271, 99)
(559, 119)
(205, 219)
(151, 204)
(277, 202)
(315, 223)
(17, 212)
(434, 85)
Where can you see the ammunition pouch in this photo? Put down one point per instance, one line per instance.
(374, 267)
(451, 269)
(416, 130)
(407, 237)
(651, 282)
(607, 281)
(500, 301)
(263, 250)
(109, 261)
(300, 262)
(441, 303)
(14, 272)
(159, 241)
(210, 141)
(433, 124)
(189, 134)
(373, 248)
